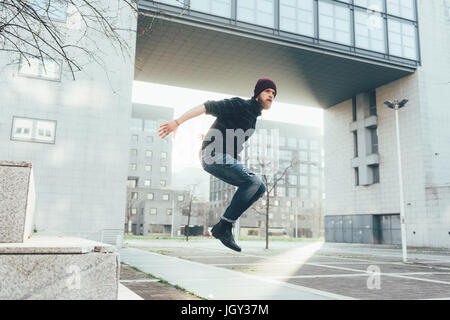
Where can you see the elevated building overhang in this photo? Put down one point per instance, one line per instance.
(186, 53)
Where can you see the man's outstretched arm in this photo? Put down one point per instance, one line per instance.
(172, 126)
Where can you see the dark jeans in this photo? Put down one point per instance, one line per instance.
(230, 170)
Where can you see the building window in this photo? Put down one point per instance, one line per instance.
(292, 192)
(150, 196)
(373, 103)
(55, 10)
(315, 157)
(288, 203)
(402, 39)
(180, 197)
(281, 192)
(132, 183)
(162, 183)
(304, 168)
(314, 145)
(276, 203)
(136, 124)
(354, 109)
(163, 155)
(45, 68)
(133, 211)
(165, 197)
(375, 173)
(401, 8)
(369, 31)
(297, 16)
(134, 137)
(374, 139)
(376, 5)
(175, 3)
(163, 169)
(133, 166)
(357, 176)
(148, 167)
(134, 195)
(33, 130)
(152, 210)
(355, 144)
(149, 139)
(133, 152)
(150, 125)
(334, 23)
(221, 8)
(303, 181)
(259, 12)
(169, 212)
(304, 155)
(292, 142)
(148, 154)
(147, 183)
(293, 180)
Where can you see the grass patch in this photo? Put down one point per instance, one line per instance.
(178, 238)
(197, 238)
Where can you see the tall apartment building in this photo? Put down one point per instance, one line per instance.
(347, 57)
(297, 196)
(361, 169)
(153, 206)
(74, 132)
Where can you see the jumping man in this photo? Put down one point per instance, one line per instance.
(235, 123)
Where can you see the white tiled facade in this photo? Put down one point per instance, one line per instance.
(81, 178)
(425, 141)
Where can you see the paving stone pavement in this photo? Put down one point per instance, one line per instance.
(295, 270)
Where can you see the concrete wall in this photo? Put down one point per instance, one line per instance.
(424, 134)
(81, 178)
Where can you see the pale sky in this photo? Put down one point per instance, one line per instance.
(186, 143)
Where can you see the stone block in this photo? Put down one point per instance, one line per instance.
(58, 268)
(17, 201)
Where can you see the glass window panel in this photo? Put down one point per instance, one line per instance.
(401, 8)
(150, 125)
(370, 4)
(260, 12)
(40, 68)
(216, 7)
(136, 124)
(334, 23)
(175, 3)
(56, 11)
(45, 131)
(369, 31)
(22, 128)
(402, 39)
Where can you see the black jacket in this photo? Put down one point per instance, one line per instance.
(232, 114)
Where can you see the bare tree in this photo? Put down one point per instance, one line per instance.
(187, 207)
(271, 180)
(64, 30)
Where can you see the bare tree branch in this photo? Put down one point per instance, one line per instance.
(33, 28)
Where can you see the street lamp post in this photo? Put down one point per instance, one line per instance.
(396, 106)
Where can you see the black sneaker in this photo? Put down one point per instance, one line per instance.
(222, 231)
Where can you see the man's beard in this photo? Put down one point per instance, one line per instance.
(266, 104)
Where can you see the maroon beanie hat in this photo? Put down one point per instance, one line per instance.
(262, 85)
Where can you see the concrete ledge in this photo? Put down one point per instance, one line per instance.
(17, 200)
(55, 245)
(58, 268)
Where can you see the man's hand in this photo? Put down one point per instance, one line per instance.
(167, 128)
